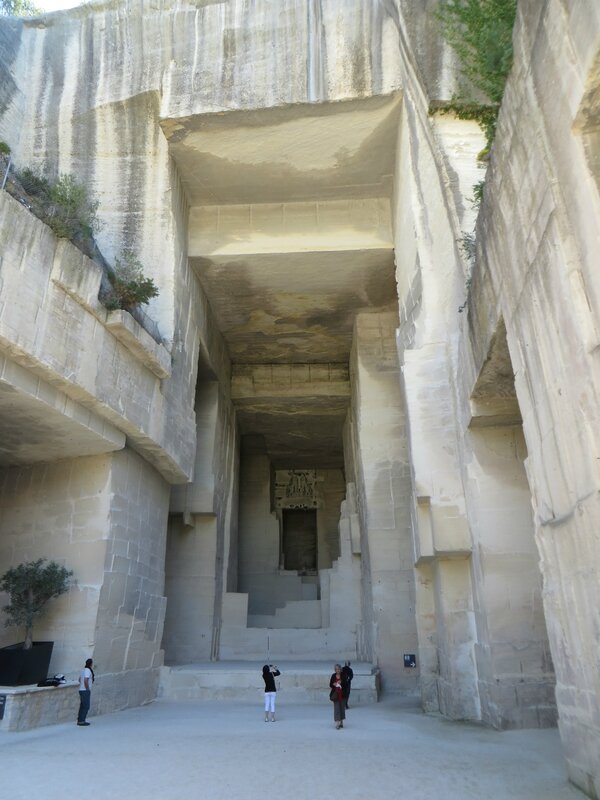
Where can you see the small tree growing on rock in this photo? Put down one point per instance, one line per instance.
(70, 210)
(30, 586)
(129, 286)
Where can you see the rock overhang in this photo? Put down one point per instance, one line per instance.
(290, 235)
(304, 151)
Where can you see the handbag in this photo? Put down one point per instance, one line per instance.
(333, 695)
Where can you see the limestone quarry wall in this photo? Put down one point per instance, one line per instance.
(103, 362)
(479, 397)
(201, 560)
(95, 92)
(85, 381)
(60, 512)
(379, 444)
(105, 518)
(428, 206)
(131, 606)
(538, 236)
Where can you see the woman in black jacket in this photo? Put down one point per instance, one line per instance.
(269, 673)
(339, 686)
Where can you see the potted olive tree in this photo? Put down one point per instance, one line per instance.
(29, 587)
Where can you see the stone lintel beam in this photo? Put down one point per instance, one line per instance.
(498, 411)
(289, 381)
(236, 230)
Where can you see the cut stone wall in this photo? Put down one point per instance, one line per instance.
(190, 589)
(131, 607)
(258, 538)
(61, 512)
(433, 171)
(201, 562)
(384, 490)
(59, 331)
(538, 240)
(514, 665)
(445, 571)
(463, 641)
(104, 517)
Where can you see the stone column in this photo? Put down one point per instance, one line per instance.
(514, 666)
(442, 545)
(131, 608)
(383, 483)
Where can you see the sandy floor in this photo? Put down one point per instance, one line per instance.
(168, 751)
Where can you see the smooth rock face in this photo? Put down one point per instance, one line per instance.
(352, 441)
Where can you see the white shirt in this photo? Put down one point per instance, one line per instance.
(86, 672)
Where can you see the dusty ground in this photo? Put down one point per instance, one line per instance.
(169, 751)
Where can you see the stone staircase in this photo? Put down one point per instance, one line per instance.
(299, 683)
(294, 614)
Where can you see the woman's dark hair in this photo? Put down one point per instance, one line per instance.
(88, 664)
(266, 669)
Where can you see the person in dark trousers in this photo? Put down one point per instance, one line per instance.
(337, 684)
(86, 679)
(269, 673)
(348, 674)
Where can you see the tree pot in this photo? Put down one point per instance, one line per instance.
(20, 667)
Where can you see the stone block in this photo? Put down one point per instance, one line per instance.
(235, 609)
(33, 707)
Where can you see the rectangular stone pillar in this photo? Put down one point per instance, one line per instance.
(131, 610)
(514, 666)
(190, 589)
(383, 485)
(442, 544)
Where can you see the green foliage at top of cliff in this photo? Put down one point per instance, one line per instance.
(18, 8)
(480, 33)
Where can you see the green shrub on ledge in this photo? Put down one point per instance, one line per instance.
(70, 211)
(63, 204)
(129, 286)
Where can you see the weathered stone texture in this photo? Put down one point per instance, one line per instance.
(383, 487)
(460, 620)
(538, 243)
(277, 169)
(33, 707)
(63, 335)
(131, 608)
(105, 518)
(60, 511)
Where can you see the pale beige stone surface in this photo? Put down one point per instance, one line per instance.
(60, 511)
(35, 707)
(538, 240)
(283, 181)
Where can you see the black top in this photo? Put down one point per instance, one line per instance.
(269, 678)
(348, 672)
(344, 681)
